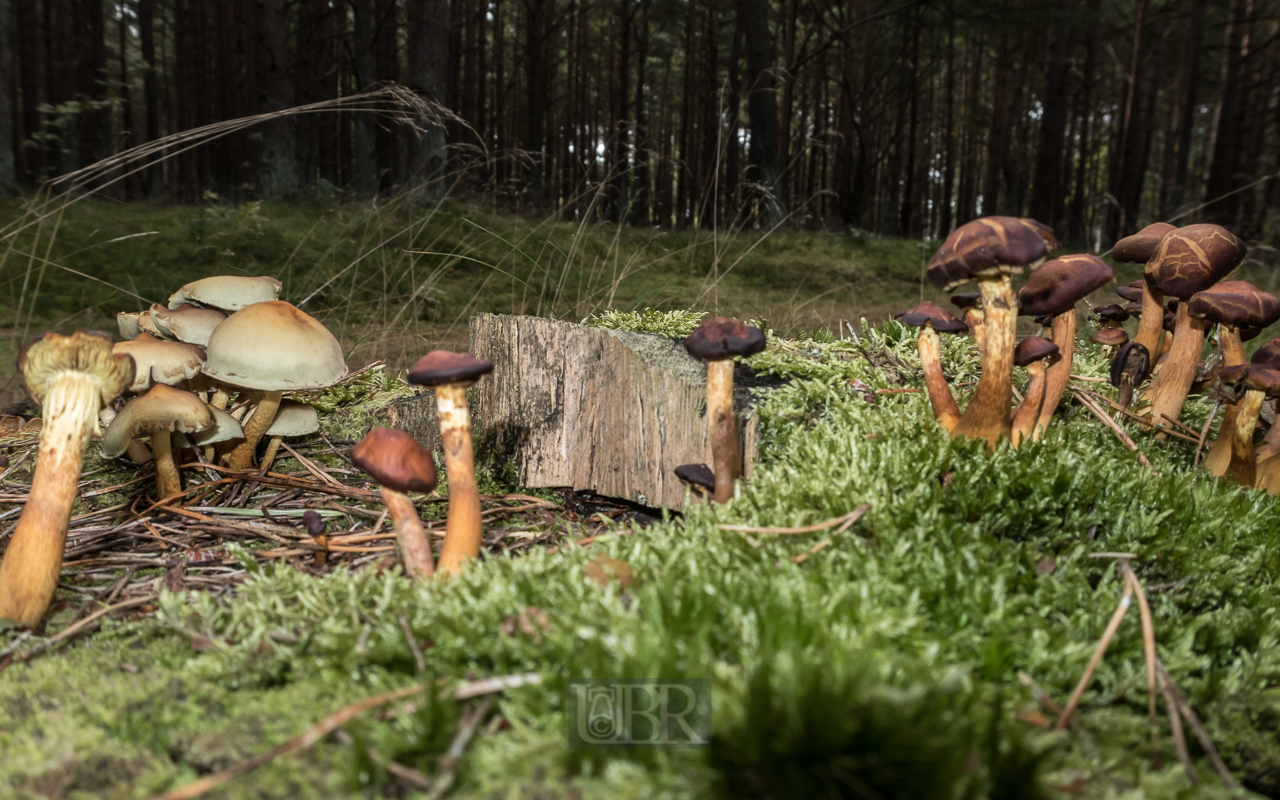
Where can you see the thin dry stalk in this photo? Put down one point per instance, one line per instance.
(1116, 618)
(1204, 432)
(850, 518)
(1116, 429)
(1149, 656)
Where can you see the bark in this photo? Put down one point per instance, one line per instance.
(364, 139)
(1228, 128)
(1186, 127)
(949, 133)
(1046, 193)
(387, 68)
(31, 157)
(8, 161)
(150, 92)
(996, 132)
(1075, 223)
(763, 111)
(308, 86)
(967, 202)
(93, 128)
(232, 90)
(428, 22)
(279, 174)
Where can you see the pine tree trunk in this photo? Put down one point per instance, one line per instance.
(1178, 198)
(763, 110)
(151, 92)
(1228, 128)
(949, 133)
(1046, 193)
(31, 157)
(8, 162)
(364, 138)
(387, 68)
(428, 23)
(279, 174)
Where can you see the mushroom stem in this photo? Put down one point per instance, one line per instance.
(973, 318)
(269, 457)
(264, 413)
(725, 460)
(1242, 465)
(987, 416)
(944, 404)
(1058, 372)
(220, 397)
(168, 478)
(33, 560)
(462, 528)
(1169, 389)
(1024, 419)
(1151, 323)
(1267, 462)
(415, 548)
(1231, 345)
(1219, 456)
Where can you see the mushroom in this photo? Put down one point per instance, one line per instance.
(317, 528)
(698, 477)
(1030, 353)
(400, 465)
(1138, 249)
(450, 374)
(716, 341)
(127, 322)
(1129, 369)
(187, 323)
(932, 320)
(160, 361)
(1133, 292)
(227, 292)
(971, 304)
(990, 250)
(1111, 316)
(1233, 305)
(158, 414)
(225, 428)
(1110, 339)
(1188, 261)
(292, 419)
(1267, 456)
(301, 354)
(1055, 289)
(71, 377)
(1247, 385)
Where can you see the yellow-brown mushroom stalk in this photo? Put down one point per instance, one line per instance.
(933, 320)
(400, 465)
(1031, 353)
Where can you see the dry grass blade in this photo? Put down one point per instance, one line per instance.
(1116, 618)
(88, 623)
(1099, 398)
(1115, 428)
(466, 729)
(850, 518)
(1149, 656)
(1204, 432)
(1188, 713)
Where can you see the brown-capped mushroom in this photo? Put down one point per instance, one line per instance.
(1129, 368)
(400, 465)
(317, 528)
(1031, 353)
(157, 414)
(1110, 339)
(71, 377)
(698, 477)
(1133, 292)
(933, 320)
(716, 341)
(292, 419)
(449, 374)
(1138, 249)
(1248, 385)
(971, 304)
(990, 250)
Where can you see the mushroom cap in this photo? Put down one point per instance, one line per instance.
(1133, 358)
(294, 419)
(1249, 333)
(224, 428)
(1133, 292)
(932, 315)
(1043, 320)
(162, 408)
(1170, 321)
(187, 323)
(127, 322)
(274, 347)
(1111, 337)
(1134, 310)
(1111, 313)
(49, 355)
(1033, 348)
(1191, 259)
(697, 475)
(721, 337)
(148, 325)
(1171, 305)
(1236, 304)
(989, 248)
(227, 292)
(440, 367)
(161, 361)
(1263, 377)
(1138, 248)
(1057, 286)
(967, 300)
(395, 460)
(314, 523)
(1269, 353)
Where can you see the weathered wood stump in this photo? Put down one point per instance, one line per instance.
(610, 412)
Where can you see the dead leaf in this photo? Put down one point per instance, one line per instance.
(602, 570)
(1046, 566)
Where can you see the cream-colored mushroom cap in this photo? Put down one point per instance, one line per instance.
(161, 409)
(274, 347)
(127, 322)
(225, 428)
(294, 419)
(227, 292)
(160, 361)
(148, 325)
(187, 323)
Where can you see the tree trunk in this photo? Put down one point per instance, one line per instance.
(428, 22)
(1178, 198)
(387, 68)
(31, 158)
(1076, 233)
(364, 139)
(279, 174)
(1046, 193)
(8, 162)
(763, 110)
(949, 132)
(233, 90)
(642, 199)
(996, 133)
(308, 86)
(150, 93)
(93, 124)
(1228, 128)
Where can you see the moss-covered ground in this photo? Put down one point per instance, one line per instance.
(883, 664)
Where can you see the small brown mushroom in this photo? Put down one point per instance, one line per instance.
(157, 414)
(698, 477)
(932, 320)
(1133, 292)
(1138, 249)
(1129, 368)
(400, 465)
(1247, 385)
(1031, 353)
(971, 304)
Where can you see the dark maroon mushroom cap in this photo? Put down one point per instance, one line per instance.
(1132, 292)
(697, 475)
(1191, 259)
(1056, 287)
(1236, 304)
(1233, 374)
(1170, 321)
(721, 337)
(967, 300)
(1134, 310)
(314, 523)
(1044, 320)
(1269, 353)
(1033, 348)
(988, 248)
(1111, 337)
(1138, 248)
(1264, 377)
(1133, 359)
(934, 316)
(1250, 333)
(441, 366)
(1171, 305)
(1111, 313)
(395, 460)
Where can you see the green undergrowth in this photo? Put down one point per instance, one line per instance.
(884, 664)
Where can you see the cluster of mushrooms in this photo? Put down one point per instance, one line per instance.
(1183, 294)
(207, 375)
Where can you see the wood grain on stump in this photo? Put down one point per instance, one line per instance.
(611, 412)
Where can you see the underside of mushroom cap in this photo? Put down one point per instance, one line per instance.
(1236, 304)
(163, 408)
(988, 248)
(1111, 337)
(723, 337)
(227, 292)
(967, 300)
(273, 347)
(932, 315)
(1263, 377)
(1191, 259)
(294, 419)
(88, 352)
(440, 367)
(1033, 348)
(1111, 313)
(395, 460)
(1133, 292)
(1138, 248)
(1059, 284)
(161, 361)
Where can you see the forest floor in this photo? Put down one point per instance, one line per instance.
(920, 647)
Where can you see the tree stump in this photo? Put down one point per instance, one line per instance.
(610, 412)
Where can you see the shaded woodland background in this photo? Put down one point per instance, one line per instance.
(901, 118)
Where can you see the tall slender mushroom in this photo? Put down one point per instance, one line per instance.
(717, 340)
(1138, 249)
(971, 304)
(71, 377)
(272, 347)
(1247, 385)
(1188, 261)
(450, 374)
(1055, 289)
(932, 320)
(1030, 353)
(400, 465)
(159, 413)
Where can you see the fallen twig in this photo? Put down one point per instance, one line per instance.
(850, 518)
(1115, 428)
(466, 729)
(1202, 735)
(1116, 618)
(1204, 432)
